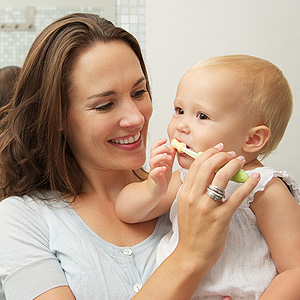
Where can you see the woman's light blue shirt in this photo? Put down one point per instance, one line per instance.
(45, 244)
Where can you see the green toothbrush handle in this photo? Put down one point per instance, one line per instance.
(240, 176)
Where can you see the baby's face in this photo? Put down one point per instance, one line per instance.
(208, 110)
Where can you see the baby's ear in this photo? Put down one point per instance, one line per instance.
(257, 138)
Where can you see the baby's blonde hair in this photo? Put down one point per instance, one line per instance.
(265, 89)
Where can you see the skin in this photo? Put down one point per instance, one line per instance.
(103, 94)
(207, 113)
(203, 118)
(108, 102)
(208, 110)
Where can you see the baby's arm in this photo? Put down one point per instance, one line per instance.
(141, 201)
(278, 216)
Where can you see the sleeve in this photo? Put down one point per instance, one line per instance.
(28, 267)
(267, 174)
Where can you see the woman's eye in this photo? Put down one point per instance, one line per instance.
(139, 94)
(202, 116)
(105, 107)
(178, 110)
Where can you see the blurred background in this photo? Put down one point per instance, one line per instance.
(182, 33)
(22, 20)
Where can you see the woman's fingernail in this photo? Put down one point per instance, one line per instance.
(219, 146)
(256, 176)
(242, 158)
(232, 153)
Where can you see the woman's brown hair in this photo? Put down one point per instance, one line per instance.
(8, 78)
(34, 151)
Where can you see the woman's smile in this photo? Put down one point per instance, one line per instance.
(130, 142)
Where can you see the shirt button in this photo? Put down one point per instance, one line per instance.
(137, 287)
(127, 251)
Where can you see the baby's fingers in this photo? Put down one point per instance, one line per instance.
(158, 143)
(159, 147)
(161, 160)
(158, 175)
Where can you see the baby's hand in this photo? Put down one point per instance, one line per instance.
(161, 163)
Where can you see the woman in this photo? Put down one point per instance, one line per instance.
(74, 136)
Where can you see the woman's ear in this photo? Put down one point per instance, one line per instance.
(257, 138)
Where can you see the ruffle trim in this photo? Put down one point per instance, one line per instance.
(267, 174)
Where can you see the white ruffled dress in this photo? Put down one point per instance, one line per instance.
(245, 268)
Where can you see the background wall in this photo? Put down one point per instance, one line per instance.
(181, 33)
(107, 6)
(129, 14)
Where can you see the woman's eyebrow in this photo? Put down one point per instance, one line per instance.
(109, 93)
(104, 94)
(139, 81)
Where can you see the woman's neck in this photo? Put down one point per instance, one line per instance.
(108, 182)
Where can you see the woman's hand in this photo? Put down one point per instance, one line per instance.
(204, 222)
(203, 226)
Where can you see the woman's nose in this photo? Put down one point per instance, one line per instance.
(131, 115)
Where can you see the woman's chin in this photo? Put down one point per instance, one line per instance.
(138, 163)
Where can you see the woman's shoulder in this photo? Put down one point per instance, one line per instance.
(34, 208)
(34, 201)
(14, 204)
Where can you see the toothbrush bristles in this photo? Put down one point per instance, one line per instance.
(181, 147)
(178, 146)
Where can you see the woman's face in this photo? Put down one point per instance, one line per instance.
(109, 108)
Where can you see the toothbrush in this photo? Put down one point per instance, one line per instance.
(240, 176)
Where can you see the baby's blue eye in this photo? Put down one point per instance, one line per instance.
(202, 116)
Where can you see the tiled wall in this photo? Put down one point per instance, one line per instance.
(130, 14)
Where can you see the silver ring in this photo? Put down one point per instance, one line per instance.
(217, 190)
(216, 193)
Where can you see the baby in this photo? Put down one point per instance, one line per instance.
(243, 104)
